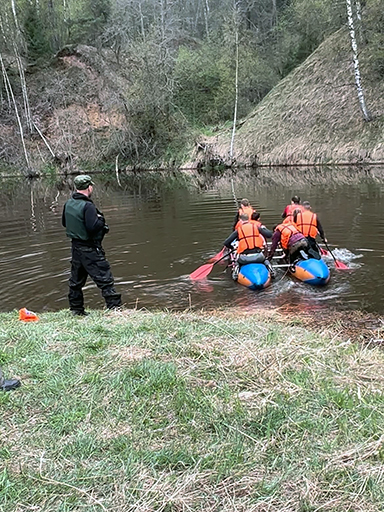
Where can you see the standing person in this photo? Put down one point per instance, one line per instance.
(294, 205)
(245, 209)
(85, 226)
(293, 243)
(309, 224)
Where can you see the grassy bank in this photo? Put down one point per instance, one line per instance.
(312, 116)
(140, 411)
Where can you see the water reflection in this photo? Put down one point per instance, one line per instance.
(159, 236)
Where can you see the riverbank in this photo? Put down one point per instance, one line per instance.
(226, 410)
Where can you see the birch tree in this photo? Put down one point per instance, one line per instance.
(10, 94)
(359, 87)
(236, 90)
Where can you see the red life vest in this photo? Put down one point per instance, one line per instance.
(249, 237)
(290, 208)
(286, 230)
(306, 222)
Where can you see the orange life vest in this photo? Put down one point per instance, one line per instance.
(249, 237)
(246, 210)
(288, 219)
(286, 230)
(306, 222)
(292, 207)
(240, 223)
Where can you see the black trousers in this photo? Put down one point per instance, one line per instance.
(293, 251)
(91, 261)
(313, 250)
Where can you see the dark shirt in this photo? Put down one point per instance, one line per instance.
(275, 242)
(320, 228)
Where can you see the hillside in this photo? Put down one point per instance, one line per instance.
(86, 110)
(78, 104)
(311, 117)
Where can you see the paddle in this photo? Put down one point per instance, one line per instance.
(204, 270)
(338, 264)
(217, 256)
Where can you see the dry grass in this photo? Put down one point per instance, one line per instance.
(221, 411)
(312, 116)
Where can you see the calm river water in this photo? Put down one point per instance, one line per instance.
(157, 238)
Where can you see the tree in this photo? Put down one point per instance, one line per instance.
(35, 34)
(359, 87)
(236, 28)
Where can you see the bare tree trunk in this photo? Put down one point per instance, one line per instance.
(24, 90)
(18, 43)
(162, 18)
(360, 92)
(236, 91)
(5, 82)
(44, 140)
(8, 85)
(15, 15)
(359, 21)
(141, 22)
(206, 15)
(274, 14)
(117, 170)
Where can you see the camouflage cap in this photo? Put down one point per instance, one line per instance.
(82, 181)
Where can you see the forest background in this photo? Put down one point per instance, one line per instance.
(88, 81)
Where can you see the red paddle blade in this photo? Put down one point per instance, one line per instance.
(323, 252)
(340, 265)
(217, 256)
(201, 272)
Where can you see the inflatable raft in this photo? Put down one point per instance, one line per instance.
(252, 272)
(311, 271)
(254, 276)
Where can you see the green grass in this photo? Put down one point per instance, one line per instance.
(188, 411)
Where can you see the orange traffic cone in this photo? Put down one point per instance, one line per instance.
(27, 316)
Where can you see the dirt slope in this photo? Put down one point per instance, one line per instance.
(77, 102)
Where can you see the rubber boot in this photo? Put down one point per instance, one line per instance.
(8, 384)
(271, 270)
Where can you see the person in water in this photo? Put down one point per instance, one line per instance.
(294, 205)
(245, 209)
(251, 246)
(85, 226)
(309, 224)
(293, 243)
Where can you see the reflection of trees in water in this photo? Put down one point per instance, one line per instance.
(292, 177)
(54, 203)
(43, 197)
(33, 216)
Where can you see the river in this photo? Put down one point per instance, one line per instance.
(159, 235)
